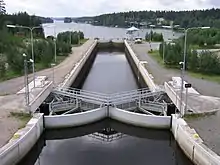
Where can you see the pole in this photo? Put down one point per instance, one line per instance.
(55, 51)
(25, 80)
(186, 101)
(53, 75)
(182, 73)
(150, 39)
(55, 46)
(163, 51)
(32, 51)
(138, 72)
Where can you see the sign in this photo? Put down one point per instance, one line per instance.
(188, 85)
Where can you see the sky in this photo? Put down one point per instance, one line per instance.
(76, 8)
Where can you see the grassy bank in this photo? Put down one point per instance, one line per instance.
(23, 118)
(38, 66)
(214, 78)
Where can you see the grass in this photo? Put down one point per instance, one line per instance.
(156, 56)
(200, 115)
(82, 41)
(22, 117)
(213, 78)
(38, 66)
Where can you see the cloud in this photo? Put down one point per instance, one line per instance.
(95, 7)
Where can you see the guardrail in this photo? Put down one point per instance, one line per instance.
(100, 99)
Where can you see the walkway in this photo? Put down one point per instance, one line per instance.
(11, 102)
(208, 126)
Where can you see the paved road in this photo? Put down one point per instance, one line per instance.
(162, 74)
(13, 102)
(13, 85)
(208, 127)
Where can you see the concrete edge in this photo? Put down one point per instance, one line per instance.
(142, 120)
(22, 141)
(143, 71)
(41, 97)
(191, 144)
(69, 78)
(78, 119)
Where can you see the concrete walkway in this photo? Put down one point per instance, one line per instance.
(208, 126)
(11, 102)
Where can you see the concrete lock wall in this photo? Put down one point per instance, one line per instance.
(145, 80)
(191, 144)
(75, 76)
(62, 121)
(39, 99)
(173, 96)
(143, 120)
(22, 141)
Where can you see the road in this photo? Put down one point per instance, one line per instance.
(162, 74)
(13, 85)
(207, 126)
(11, 102)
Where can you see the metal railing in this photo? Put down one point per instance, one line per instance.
(139, 96)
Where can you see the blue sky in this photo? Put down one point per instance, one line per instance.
(77, 8)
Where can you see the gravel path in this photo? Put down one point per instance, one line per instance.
(10, 102)
(208, 127)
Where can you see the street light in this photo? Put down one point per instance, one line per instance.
(184, 63)
(32, 43)
(26, 82)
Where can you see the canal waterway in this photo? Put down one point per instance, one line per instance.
(110, 73)
(107, 142)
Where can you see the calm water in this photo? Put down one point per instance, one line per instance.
(131, 145)
(110, 73)
(107, 142)
(100, 31)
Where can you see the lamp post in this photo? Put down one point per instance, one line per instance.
(32, 43)
(26, 82)
(183, 68)
(55, 45)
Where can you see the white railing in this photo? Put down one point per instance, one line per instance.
(100, 98)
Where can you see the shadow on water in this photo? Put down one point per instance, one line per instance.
(135, 139)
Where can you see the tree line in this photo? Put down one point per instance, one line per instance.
(153, 36)
(203, 62)
(14, 42)
(194, 18)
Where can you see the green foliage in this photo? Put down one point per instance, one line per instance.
(194, 18)
(204, 62)
(203, 37)
(73, 37)
(157, 37)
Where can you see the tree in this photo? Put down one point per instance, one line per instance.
(2, 7)
(193, 60)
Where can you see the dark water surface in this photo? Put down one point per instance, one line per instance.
(107, 142)
(110, 73)
(131, 146)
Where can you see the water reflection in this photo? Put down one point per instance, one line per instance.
(79, 146)
(110, 73)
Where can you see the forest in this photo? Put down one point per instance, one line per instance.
(194, 18)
